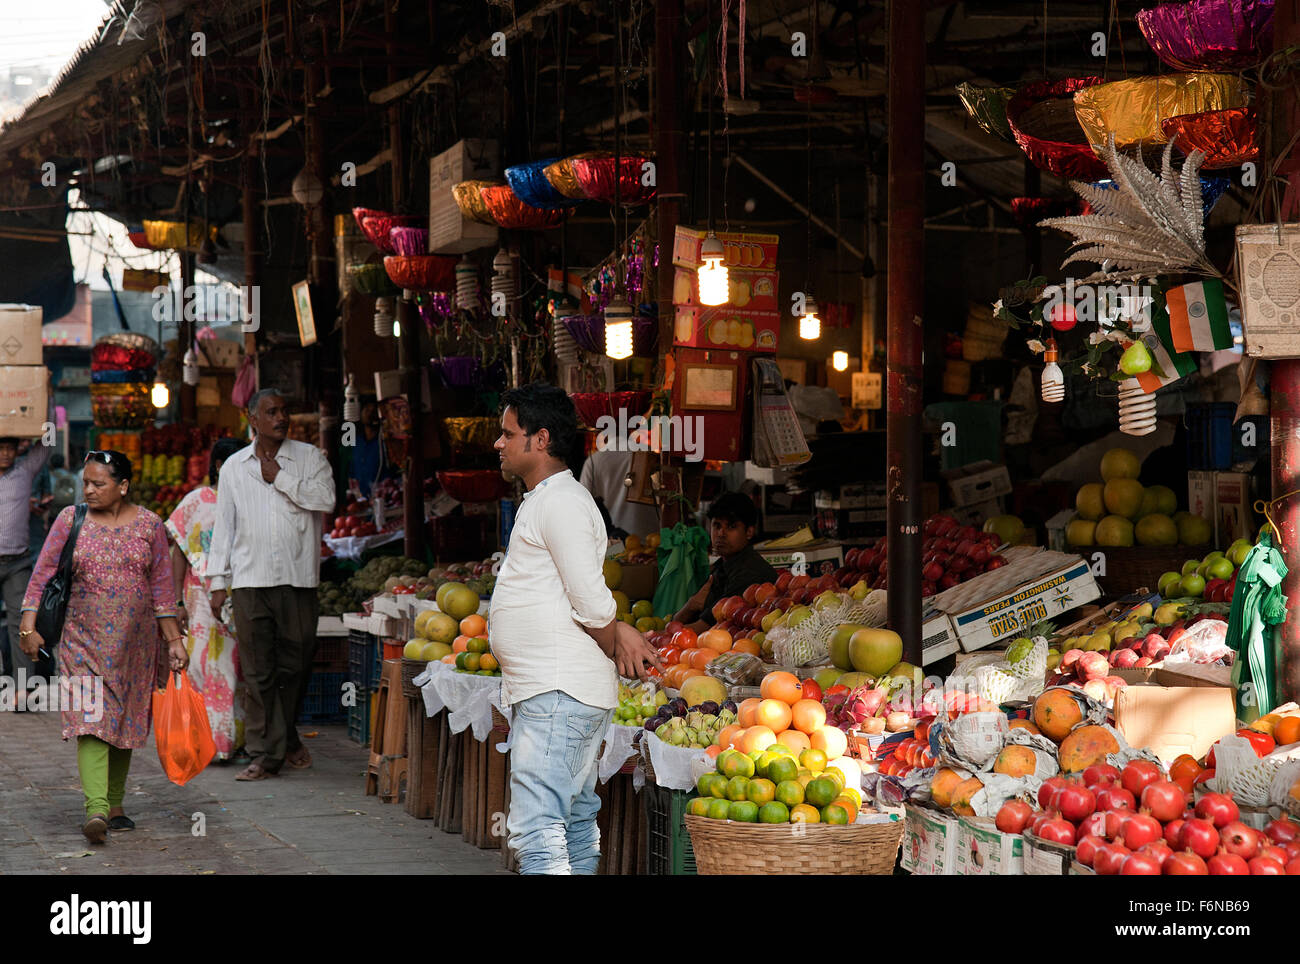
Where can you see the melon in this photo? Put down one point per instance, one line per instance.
(459, 602)
(1086, 746)
(439, 627)
(702, 689)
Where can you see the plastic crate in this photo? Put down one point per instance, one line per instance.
(364, 663)
(323, 701)
(359, 719)
(331, 654)
(669, 842)
(1209, 435)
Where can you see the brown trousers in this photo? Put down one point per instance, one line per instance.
(276, 626)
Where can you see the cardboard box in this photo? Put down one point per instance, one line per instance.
(1081, 870)
(985, 851)
(749, 290)
(978, 482)
(1045, 859)
(975, 514)
(1173, 720)
(735, 329)
(929, 842)
(745, 251)
(1234, 517)
(24, 400)
(219, 353)
(813, 556)
(1037, 599)
(20, 334)
(639, 581)
(938, 639)
(1200, 497)
(450, 232)
(856, 495)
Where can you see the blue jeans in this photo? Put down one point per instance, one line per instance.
(553, 802)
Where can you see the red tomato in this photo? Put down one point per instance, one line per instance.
(668, 655)
(685, 639)
(1261, 742)
(812, 690)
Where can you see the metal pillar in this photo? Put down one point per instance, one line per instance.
(248, 177)
(668, 150)
(1283, 120)
(906, 284)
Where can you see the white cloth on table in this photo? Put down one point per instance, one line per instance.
(617, 749)
(470, 700)
(676, 767)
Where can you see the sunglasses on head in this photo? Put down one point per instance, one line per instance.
(104, 457)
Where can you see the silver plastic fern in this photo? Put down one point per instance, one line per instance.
(1147, 225)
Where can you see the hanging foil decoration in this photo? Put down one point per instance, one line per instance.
(1228, 138)
(1026, 211)
(597, 173)
(563, 178)
(469, 198)
(435, 309)
(1042, 121)
(530, 184)
(988, 107)
(1132, 110)
(1209, 34)
(508, 211)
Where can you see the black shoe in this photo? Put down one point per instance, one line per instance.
(121, 823)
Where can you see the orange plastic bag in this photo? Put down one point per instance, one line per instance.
(181, 730)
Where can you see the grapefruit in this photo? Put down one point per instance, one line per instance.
(1120, 464)
(1166, 501)
(808, 716)
(1194, 531)
(745, 713)
(1088, 502)
(830, 740)
(1114, 530)
(757, 737)
(1081, 532)
(781, 686)
(774, 714)
(1009, 528)
(460, 601)
(1156, 529)
(434, 651)
(439, 627)
(1123, 496)
(794, 739)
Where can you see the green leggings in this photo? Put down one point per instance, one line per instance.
(103, 774)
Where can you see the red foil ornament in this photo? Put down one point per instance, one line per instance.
(596, 175)
(1041, 118)
(1228, 137)
(509, 212)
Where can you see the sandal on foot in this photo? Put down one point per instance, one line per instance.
(300, 759)
(95, 829)
(121, 822)
(254, 771)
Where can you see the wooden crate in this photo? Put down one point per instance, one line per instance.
(624, 838)
(386, 773)
(449, 801)
(484, 788)
(422, 741)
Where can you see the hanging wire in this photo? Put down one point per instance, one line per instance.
(708, 173)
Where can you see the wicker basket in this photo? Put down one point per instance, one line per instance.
(723, 847)
(411, 668)
(1140, 566)
(499, 723)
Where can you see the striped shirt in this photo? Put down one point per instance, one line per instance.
(15, 496)
(268, 534)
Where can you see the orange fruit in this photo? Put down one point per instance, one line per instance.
(684, 658)
(718, 640)
(760, 791)
(794, 740)
(461, 644)
(849, 806)
(1184, 766)
(808, 716)
(803, 813)
(473, 625)
(757, 737)
(782, 686)
(790, 792)
(728, 734)
(831, 741)
(713, 751)
(1287, 731)
(488, 661)
(449, 658)
(814, 760)
(691, 674)
(747, 712)
(747, 646)
(821, 792)
(702, 658)
(835, 814)
(774, 714)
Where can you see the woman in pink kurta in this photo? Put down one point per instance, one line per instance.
(120, 604)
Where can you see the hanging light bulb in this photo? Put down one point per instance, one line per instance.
(466, 285)
(503, 281)
(351, 402)
(1137, 409)
(618, 327)
(307, 188)
(840, 360)
(160, 396)
(1053, 377)
(810, 326)
(715, 286)
(384, 317)
(190, 368)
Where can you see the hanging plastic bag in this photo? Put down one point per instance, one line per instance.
(245, 383)
(683, 566)
(181, 730)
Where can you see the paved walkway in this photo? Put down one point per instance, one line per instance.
(315, 821)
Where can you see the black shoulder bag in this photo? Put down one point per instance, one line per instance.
(54, 599)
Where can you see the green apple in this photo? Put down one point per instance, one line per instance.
(1238, 552)
(1192, 585)
(1220, 568)
(1190, 567)
(1169, 581)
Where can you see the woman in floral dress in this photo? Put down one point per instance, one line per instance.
(119, 635)
(215, 667)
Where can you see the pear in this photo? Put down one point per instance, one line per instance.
(1136, 360)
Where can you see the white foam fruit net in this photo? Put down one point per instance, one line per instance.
(809, 642)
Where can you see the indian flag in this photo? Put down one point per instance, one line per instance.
(1173, 363)
(1198, 316)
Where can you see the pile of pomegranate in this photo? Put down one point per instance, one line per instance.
(1137, 822)
(951, 553)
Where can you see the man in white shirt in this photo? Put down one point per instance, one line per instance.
(266, 549)
(556, 635)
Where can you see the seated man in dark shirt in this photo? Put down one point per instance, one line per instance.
(733, 520)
